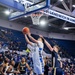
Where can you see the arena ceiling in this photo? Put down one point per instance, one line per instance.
(55, 25)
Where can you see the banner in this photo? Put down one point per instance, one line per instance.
(59, 15)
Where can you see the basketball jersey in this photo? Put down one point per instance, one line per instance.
(11, 71)
(56, 64)
(55, 59)
(23, 68)
(37, 57)
(6, 70)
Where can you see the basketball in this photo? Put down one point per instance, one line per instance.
(25, 30)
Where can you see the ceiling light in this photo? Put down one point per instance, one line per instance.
(73, 6)
(25, 16)
(43, 20)
(66, 28)
(7, 12)
(60, 0)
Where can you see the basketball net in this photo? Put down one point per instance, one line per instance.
(35, 18)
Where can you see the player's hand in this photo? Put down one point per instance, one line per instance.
(23, 33)
(17, 72)
(29, 34)
(41, 36)
(31, 73)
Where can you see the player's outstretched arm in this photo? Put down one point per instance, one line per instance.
(60, 64)
(47, 44)
(34, 40)
(27, 40)
(29, 68)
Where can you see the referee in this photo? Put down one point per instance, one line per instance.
(56, 60)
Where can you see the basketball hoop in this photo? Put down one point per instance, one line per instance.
(35, 18)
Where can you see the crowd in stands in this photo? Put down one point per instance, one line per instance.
(69, 67)
(11, 57)
(7, 57)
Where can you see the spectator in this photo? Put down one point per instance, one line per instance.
(11, 70)
(22, 66)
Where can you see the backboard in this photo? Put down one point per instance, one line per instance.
(31, 6)
(35, 5)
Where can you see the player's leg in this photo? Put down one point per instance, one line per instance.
(59, 71)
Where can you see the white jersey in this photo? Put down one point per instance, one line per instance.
(37, 57)
(9, 73)
(6, 70)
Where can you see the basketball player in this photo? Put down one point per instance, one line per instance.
(11, 70)
(5, 65)
(37, 57)
(56, 60)
(22, 66)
